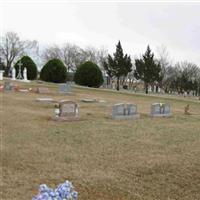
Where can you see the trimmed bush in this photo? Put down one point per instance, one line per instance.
(54, 71)
(30, 66)
(88, 74)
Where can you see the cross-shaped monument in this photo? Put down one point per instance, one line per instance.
(19, 76)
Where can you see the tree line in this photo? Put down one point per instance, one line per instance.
(151, 71)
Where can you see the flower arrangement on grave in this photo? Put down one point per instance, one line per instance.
(57, 110)
(64, 191)
(162, 107)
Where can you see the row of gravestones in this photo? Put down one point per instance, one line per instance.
(127, 111)
(63, 88)
(68, 111)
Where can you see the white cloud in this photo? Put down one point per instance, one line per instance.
(176, 25)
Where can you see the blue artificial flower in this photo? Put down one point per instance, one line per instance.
(64, 191)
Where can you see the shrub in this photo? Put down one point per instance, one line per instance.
(88, 74)
(54, 71)
(30, 66)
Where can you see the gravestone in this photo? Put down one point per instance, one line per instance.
(19, 76)
(43, 90)
(125, 111)
(67, 111)
(8, 86)
(88, 100)
(102, 101)
(64, 88)
(1, 75)
(160, 110)
(23, 90)
(46, 100)
(39, 81)
(13, 74)
(1, 87)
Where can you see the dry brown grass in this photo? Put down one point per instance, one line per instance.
(144, 159)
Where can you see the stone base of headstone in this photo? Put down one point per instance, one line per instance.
(26, 81)
(65, 119)
(161, 115)
(22, 80)
(135, 116)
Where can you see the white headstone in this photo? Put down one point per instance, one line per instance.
(25, 74)
(154, 88)
(1, 75)
(13, 73)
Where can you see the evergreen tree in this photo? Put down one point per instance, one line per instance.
(30, 65)
(54, 71)
(147, 69)
(118, 65)
(88, 74)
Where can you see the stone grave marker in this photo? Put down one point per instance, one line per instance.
(125, 111)
(1, 75)
(46, 100)
(43, 90)
(8, 86)
(88, 100)
(160, 110)
(64, 88)
(131, 109)
(67, 111)
(23, 90)
(1, 87)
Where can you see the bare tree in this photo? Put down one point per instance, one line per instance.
(95, 55)
(12, 47)
(72, 55)
(51, 52)
(165, 63)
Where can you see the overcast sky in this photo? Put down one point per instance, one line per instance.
(175, 25)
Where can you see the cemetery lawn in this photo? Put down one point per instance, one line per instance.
(143, 159)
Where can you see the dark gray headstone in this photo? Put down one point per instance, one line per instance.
(124, 111)
(160, 110)
(64, 88)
